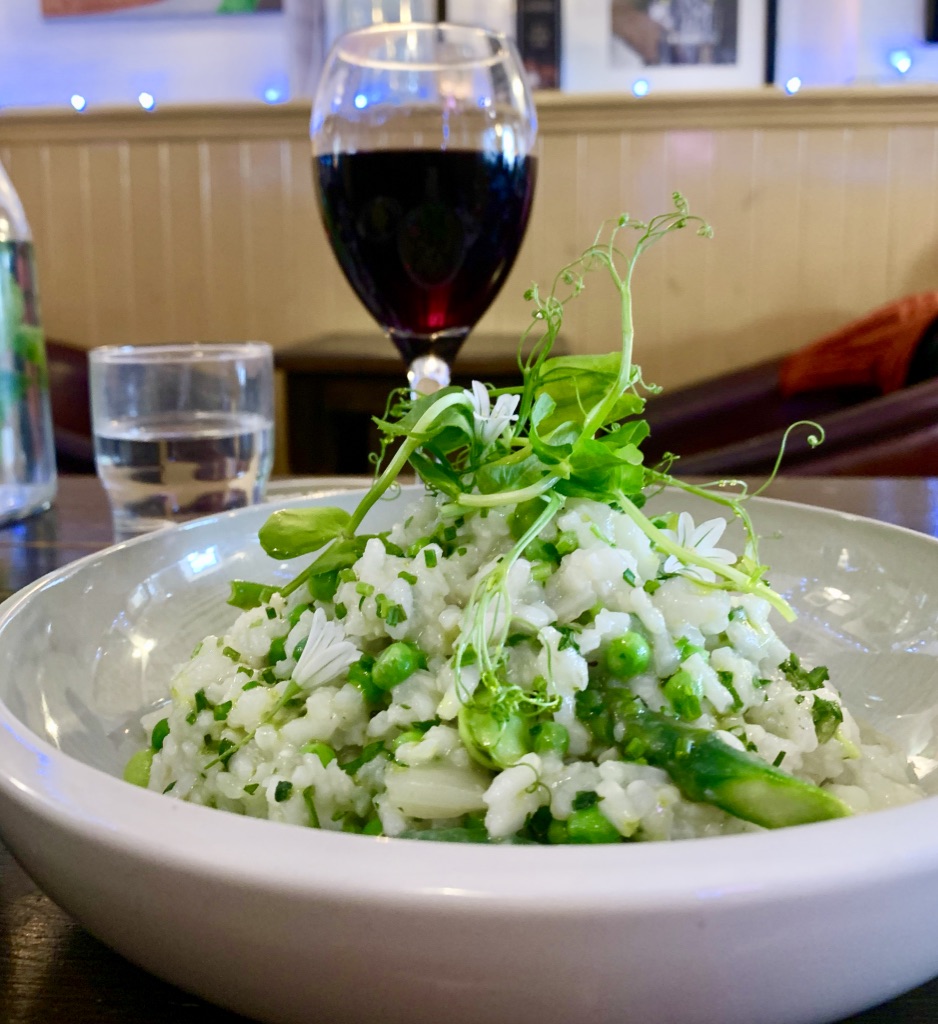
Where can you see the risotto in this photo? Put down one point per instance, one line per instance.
(344, 712)
(527, 656)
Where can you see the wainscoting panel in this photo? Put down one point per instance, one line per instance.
(200, 223)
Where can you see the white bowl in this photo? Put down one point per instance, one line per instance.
(288, 924)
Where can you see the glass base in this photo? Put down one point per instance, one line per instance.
(18, 501)
(428, 357)
(427, 375)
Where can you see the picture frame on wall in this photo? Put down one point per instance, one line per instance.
(650, 46)
(156, 8)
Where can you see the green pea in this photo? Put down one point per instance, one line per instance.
(628, 655)
(323, 586)
(137, 769)
(359, 674)
(394, 664)
(494, 741)
(551, 738)
(590, 825)
(557, 833)
(684, 695)
(323, 751)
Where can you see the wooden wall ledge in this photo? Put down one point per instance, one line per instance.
(560, 114)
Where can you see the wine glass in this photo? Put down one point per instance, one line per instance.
(422, 149)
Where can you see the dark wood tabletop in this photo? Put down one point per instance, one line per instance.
(52, 970)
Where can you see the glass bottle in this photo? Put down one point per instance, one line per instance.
(27, 448)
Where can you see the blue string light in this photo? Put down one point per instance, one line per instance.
(901, 60)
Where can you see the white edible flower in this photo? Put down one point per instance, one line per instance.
(327, 653)
(702, 540)
(490, 422)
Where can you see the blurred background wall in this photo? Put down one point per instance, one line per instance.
(107, 60)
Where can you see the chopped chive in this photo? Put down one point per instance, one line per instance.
(277, 650)
(629, 577)
(283, 791)
(429, 557)
(169, 787)
(369, 753)
(395, 615)
(250, 685)
(269, 677)
(365, 589)
(309, 796)
(541, 571)
(300, 647)
(201, 701)
(726, 680)
(778, 759)
(407, 577)
(159, 734)
(271, 613)
(220, 711)
(226, 749)
(635, 748)
(340, 611)
(584, 799)
(251, 788)
(566, 542)
(296, 614)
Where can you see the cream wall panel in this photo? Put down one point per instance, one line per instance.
(66, 261)
(187, 221)
(775, 222)
(912, 210)
(150, 249)
(106, 218)
(201, 223)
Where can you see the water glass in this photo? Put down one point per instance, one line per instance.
(181, 431)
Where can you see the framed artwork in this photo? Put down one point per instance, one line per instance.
(666, 45)
(931, 21)
(155, 8)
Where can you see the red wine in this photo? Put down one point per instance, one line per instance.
(425, 237)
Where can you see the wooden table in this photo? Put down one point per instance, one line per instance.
(52, 970)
